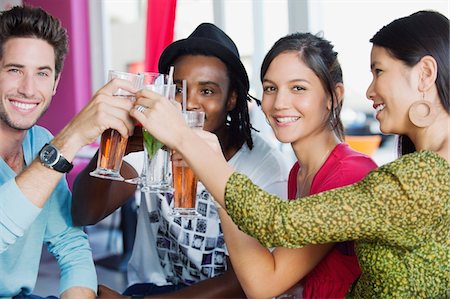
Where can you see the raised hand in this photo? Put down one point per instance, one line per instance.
(160, 116)
(103, 111)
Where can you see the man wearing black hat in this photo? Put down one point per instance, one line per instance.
(190, 258)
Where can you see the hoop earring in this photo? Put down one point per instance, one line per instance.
(422, 113)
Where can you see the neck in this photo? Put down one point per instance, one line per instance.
(434, 138)
(310, 153)
(229, 149)
(311, 159)
(11, 152)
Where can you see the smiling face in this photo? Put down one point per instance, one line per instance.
(294, 100)
(27, 81)
(207, 89)
(393, 89)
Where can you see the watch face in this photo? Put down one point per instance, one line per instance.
(49, 155)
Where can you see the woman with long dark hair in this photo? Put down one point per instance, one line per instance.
(399, 214)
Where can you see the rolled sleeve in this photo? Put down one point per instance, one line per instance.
(77, 266)
(69, 244)
(17, 213)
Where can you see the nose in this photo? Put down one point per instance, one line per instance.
(370, 93)
(26, 86)
(282, 99)
(192, 101)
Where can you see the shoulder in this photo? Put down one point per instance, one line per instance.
(35, 139)
(344, 167)
(264, 164)
(347, 159)
(39, 134)
(263, 156)
(418, 165)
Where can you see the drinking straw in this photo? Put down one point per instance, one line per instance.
(170, 81)
(183, 96)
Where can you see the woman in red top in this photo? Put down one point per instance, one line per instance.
(303, 92)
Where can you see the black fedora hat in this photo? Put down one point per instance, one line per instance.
(209, 40)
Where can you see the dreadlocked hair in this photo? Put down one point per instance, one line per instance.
(238, 119)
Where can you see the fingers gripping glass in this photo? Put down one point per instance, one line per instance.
(155, 175)
(112, 144)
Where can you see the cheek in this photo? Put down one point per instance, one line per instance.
(266, 105)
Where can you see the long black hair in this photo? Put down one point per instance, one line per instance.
(409, 39)
(319, 56)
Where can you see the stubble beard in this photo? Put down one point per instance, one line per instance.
(18, 126)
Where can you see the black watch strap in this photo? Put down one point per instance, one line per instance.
(51, 157)
(63, 165)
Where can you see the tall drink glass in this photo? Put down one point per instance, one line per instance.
(112, 144)
(155, 176)
(184, 179)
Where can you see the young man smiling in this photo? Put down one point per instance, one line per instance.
(34, 196)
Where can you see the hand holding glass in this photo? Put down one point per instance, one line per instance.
(184, 179)
(155, 176)
(112, 144)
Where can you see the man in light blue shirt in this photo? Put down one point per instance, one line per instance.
(34, 196)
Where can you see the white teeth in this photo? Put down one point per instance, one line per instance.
(285, 120)
(24, 106)
(379, 108)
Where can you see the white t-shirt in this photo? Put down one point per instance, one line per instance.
(173, 249)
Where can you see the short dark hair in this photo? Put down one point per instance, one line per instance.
(34, 22)
(318, 54)
(410, 38)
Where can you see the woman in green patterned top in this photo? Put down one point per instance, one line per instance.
(399, 215)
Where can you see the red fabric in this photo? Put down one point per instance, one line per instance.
(160, 24)
(334, 275)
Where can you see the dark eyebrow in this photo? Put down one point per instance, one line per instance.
(290, 81)
(200, 83)
(373, 65)
(209, 83)
(20, 66)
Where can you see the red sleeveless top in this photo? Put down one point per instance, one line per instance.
(334, 275)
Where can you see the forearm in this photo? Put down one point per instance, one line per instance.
(78, 292)
(264, 273)
(209, 165)
(37, 183)
(252, 262)
(312, 220)
(222, 286)
(94, 198)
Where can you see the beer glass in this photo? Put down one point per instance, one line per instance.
(112, 144)
(184, 179)
(155, 175)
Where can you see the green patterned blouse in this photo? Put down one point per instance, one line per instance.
(399, 216)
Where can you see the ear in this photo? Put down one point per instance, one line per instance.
(428, 73)
(56, 84)
(339, 91)
(231, 103)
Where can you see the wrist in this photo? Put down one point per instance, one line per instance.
(68, 146)
(185, 137)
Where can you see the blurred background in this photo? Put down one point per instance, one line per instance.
(131, 34)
